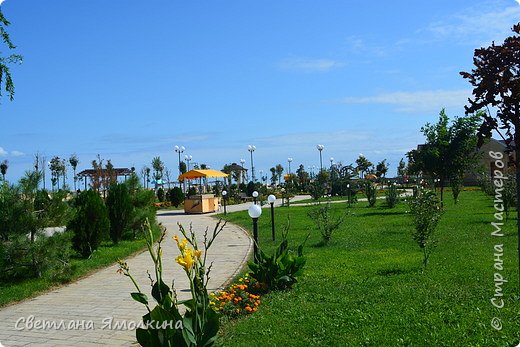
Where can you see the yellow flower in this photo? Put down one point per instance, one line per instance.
(182, 245)
(185, 260)
(198, 253)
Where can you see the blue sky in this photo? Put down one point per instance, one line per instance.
(129, 80)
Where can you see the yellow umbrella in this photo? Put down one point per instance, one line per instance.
(201, 174)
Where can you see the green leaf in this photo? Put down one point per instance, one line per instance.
(140, 297)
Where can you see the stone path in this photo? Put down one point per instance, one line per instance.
(104, 297)
(94, 310)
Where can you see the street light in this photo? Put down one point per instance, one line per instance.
(255, 195)
(331, 162)
(251, 149)
(179, 150)
(348, 193)
(254, 212)
(271, 199)
(188, 158)
(224, 194)
(320, 148)
(289, 160)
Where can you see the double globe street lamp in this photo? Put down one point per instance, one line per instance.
(320, 149)
(251, 149)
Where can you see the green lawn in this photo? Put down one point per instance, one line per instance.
(367, 288)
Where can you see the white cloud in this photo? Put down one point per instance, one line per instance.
(429, 100)
(309, 65)
(3, 152)
(478, 25)
(17, 154)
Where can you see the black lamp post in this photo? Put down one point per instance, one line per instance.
(224, 197)
(255, 195)
(254, 212)
(271, 199)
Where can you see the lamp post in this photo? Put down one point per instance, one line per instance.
(254, 212)
(224, 195)
(289, 160)
(255, 195)
(179, 150)
(331, 162)
(251, 149)
(271, 199)
(320, 148)
(242, 174)
(188, 158)
(348, 195)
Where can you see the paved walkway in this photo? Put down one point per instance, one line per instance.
(103, 300)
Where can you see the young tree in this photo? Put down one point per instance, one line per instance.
(279, 172)
(401, 168)
(74, 161)
(4, 165)
(449, 151)
(56, 166)
(119, 206)
(5, 73)
(363, 165)
(158, 169)
(496, 82)
(381, 168)
(90, 224)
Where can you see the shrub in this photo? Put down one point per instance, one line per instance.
(509, 193)
(176, 196)
(371, 193)
(392, 195)
(456, 188)
(90, 224)
(160, 194)
(426, 212)
(119, 206)
(192, 191)
(142, 200)
(280, 270)
(326, 223)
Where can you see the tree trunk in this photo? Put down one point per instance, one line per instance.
(441, 182)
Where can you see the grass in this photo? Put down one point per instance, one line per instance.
(367, 288)
(106, 255)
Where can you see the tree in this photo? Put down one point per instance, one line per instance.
(57, 167)
(3, 168)
(74, 161)
(363, 165)
(273, 175)
(381, 168)
(279, 172)
(158, 169)
(5, 73)
(401, 168)
(449, 151)
(90, 224)
(496, 82)
(303, 177)
(119, 206)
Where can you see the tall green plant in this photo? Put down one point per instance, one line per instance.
(167, 327)
(326, 222)
(371, 193)
(90, 223)
(392, 195)
(119, 206)
(426, 212)
(280, 270)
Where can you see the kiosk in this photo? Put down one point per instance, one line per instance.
(201, 203)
